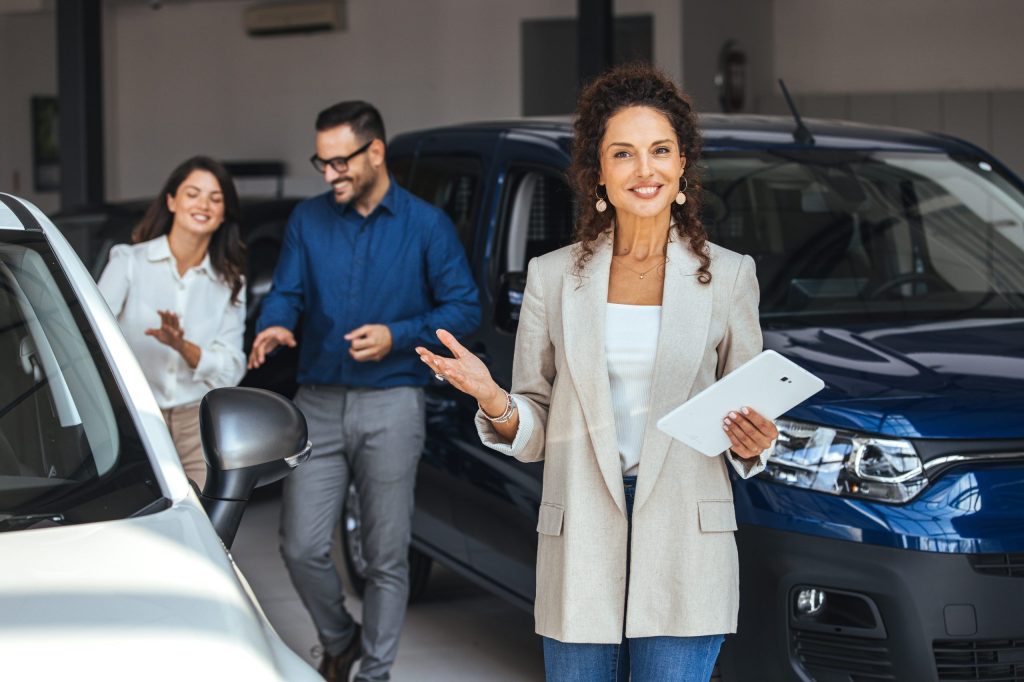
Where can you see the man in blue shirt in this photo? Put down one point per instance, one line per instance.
(371, 271)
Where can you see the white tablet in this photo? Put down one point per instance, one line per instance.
(768, 383)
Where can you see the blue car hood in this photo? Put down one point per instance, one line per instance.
(959, 379)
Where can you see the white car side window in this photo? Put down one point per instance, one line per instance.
(52, 355)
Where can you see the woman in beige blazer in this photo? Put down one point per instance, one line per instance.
(636, 563)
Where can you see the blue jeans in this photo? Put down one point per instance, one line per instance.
(647, 659)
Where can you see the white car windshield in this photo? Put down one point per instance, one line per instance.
(69, 452)
(870, 234)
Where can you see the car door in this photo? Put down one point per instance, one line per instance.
(449, 171)
(498, 512)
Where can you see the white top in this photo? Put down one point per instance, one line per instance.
(141, 279)
(630, 343)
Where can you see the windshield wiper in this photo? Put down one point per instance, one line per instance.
(22, 521)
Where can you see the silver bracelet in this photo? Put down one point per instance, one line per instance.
(510, 409)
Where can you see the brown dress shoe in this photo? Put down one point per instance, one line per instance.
(337, 668)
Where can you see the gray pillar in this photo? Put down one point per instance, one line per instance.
(596, 37)
(80, 98)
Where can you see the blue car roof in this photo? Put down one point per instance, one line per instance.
(747, 131)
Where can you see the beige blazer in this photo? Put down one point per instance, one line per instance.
(683, 573)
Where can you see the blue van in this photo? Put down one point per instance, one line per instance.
(885, 541)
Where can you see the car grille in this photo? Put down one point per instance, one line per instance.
(989, 660)
(1006, 565)
(860, 659)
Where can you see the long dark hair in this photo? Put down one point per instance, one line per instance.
(634, 85)
(227, 252)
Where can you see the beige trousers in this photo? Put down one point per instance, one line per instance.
(183, 421)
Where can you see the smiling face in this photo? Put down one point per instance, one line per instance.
(363, 171)
(641, 162)
(198, 204)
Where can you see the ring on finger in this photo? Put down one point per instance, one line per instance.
(440, 377)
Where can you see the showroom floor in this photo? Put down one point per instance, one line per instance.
(456, 632)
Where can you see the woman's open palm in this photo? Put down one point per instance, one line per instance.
(465, 371)
(169, 332)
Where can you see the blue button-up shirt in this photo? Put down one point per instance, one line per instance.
(402, 266)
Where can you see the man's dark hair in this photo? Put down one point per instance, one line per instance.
(363, 117)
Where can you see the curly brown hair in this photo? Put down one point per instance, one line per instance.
(633, 85)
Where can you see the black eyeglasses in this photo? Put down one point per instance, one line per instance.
(338, 163)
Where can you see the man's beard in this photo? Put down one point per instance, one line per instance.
(358, 190)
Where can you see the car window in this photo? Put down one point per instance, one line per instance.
(953, 199)
(453, 184)
(868, 234)
(69, 452)
(539, 215)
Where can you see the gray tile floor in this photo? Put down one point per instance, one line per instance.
(457, 632)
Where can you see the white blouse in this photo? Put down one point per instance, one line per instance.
(631, 343)
(141, 279)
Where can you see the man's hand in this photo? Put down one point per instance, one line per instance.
(370, 343)
(265, 343)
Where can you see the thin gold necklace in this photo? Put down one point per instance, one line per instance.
(644, 273)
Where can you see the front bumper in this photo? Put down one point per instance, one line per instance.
(890, 614)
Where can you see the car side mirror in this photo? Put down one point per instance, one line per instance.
(251, 437)
(510, 301)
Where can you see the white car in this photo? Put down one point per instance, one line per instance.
(110, 565)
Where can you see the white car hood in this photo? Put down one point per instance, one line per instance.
(155, 597)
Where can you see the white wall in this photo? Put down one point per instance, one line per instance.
(668, 40)
(28, 66)
(186, 79)
(706, 27)
(949, 66)
(849, 46)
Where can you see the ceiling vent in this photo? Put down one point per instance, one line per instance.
(303, 16)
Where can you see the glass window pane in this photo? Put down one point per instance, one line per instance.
(870, 233)
(453, 184)
(68, 446)
(541, 216)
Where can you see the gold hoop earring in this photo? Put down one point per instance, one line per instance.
(602, 204)
(681, 196)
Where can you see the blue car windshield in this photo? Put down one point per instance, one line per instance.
(868, 235)
(69, 450)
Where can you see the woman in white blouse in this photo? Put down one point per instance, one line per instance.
(178, 293)
(637, 572)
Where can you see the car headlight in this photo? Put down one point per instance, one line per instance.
(845, 463)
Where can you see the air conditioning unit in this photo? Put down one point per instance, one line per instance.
(301, 16)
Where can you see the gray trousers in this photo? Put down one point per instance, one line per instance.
(372, 437)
